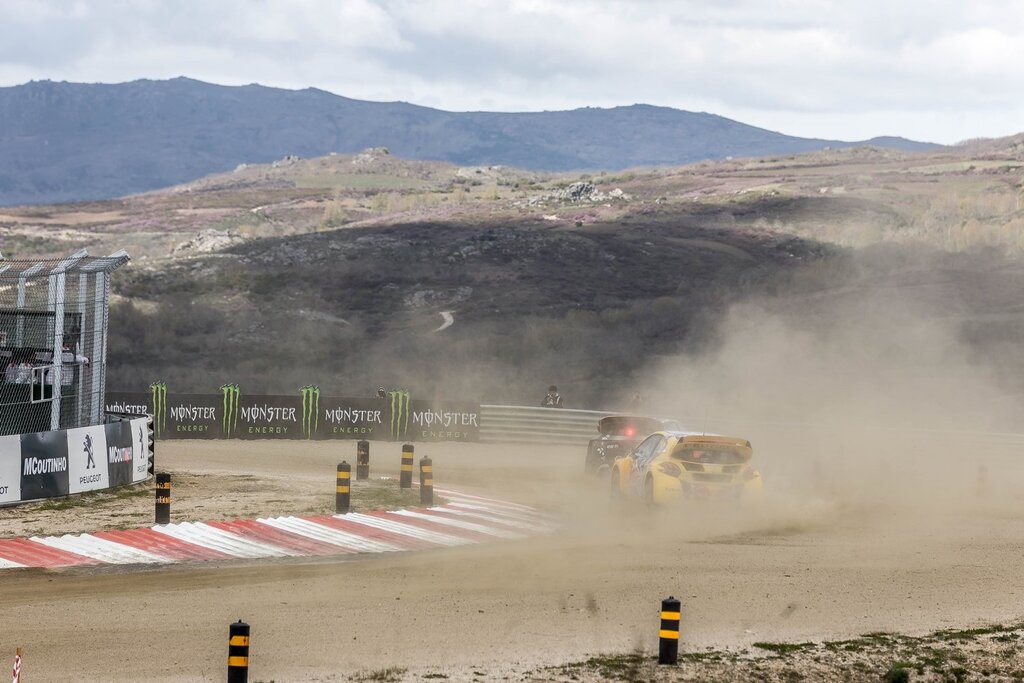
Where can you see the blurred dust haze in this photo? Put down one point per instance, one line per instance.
(861, 395)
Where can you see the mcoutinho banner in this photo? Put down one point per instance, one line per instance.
(307, 414)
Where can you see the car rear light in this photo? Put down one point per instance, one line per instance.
(749, 473)
(670, 468)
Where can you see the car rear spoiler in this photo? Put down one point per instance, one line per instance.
(714, 443)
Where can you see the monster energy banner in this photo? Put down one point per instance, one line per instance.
(176, 416)
(308, 414)
(411, 420)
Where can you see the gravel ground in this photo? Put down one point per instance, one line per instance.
(803, 566)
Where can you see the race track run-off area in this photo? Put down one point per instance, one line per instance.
(463, 520)
(521, 565)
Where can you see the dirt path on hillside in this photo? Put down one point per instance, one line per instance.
(839, 559)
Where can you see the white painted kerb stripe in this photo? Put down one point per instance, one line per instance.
(448, 493)
(207, 536)
(7, 564)
(326, 534)
(500, 533)
(100, 549)
(534, 520)
(492, 519)
(404, 529)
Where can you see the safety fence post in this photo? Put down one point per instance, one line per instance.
(668, 635)
(343, 488)
(405, 479)
(163, 498)
(363, 460)
(426, 481)
(238, 652)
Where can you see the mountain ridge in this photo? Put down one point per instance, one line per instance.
(64, 141)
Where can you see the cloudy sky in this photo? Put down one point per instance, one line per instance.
(935, 70)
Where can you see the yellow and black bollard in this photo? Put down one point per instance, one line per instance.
(363, 460)
(163, 498)
(668, 636)
(343, 488)
(426, 481)
(405, 480)
(238, 652)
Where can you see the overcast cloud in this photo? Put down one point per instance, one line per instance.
(936, 70)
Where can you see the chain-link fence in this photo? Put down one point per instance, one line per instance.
(53, 337)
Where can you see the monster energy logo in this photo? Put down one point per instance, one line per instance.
(158, 397)
(310, 410)
(230, 420)
(399, 413)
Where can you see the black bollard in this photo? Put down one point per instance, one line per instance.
(342, 490)
(405, 480)
(238, 652)
(363, 460)
(163, 498)
(426, 481)
(668, 636)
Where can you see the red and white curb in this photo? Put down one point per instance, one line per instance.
(465, 519)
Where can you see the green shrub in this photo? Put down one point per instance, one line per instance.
(897, 673)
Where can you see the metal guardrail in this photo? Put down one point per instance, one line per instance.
(530, 424)
(968, 443)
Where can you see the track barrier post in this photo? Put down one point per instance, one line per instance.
(238, 652)
(342, 495)
(163, 498)
(363, 460)
(426, 481)
(668, 636)
(405, 479)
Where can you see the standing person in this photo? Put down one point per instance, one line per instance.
(552, 399)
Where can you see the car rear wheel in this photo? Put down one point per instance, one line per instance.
(649, 493)
(615, 498)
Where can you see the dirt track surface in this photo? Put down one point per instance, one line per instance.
(797, 566)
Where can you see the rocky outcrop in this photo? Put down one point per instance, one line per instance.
(208, 241)
(581, 192)
(368, 156)
(288, 160)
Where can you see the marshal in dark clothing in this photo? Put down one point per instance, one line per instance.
(552, 399)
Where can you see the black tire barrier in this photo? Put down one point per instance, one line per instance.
(668, 636)
(238, 652)
(363, 460)
(163, 498)
(426, 481)
(405, 479)
(343, 487)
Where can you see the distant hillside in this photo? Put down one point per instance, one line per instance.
(69, 141)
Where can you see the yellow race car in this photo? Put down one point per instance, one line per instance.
(669, 466)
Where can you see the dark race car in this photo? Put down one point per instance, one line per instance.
(620, 434)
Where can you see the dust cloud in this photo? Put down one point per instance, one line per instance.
(868, 409)
(890, 503)
(861, 398)
(886, 483)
